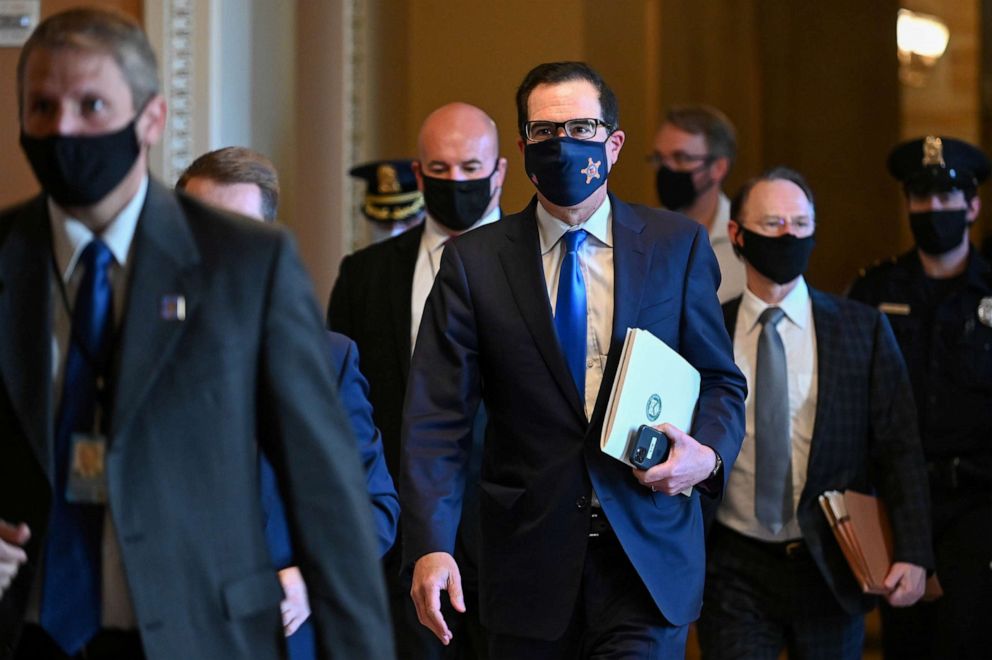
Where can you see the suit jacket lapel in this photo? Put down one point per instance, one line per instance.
(826, 323)
(26, 331)
(631, 262)
(164, 258)
(400, 279)
(521, 259)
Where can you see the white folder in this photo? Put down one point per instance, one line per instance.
(654, 385)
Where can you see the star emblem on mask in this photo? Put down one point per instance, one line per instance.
(591, 170)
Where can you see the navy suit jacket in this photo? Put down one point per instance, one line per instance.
(864, 438)
(488, 334)
(353, 391)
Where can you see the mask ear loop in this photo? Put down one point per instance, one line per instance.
(733, 244)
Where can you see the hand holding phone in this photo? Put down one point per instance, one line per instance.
(650, 448)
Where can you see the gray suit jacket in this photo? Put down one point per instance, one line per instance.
(193, 399)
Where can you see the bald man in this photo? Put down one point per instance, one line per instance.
(378, 300)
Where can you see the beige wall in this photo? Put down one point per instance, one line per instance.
(792, 76)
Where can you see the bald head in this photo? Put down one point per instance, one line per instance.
(459, 142)
(458, 139)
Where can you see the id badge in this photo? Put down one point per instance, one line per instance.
(87, 482)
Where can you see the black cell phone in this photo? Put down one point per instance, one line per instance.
(651, 447)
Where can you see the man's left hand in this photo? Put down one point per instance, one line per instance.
(905, 583)
(689, 462)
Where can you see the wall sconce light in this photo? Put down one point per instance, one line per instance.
(921, 40)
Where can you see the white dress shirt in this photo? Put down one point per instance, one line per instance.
(596, 261)
(799, 340)
(428, 261)
(70, 237)
(733, 275)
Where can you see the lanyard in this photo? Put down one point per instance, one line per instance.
(74, 334)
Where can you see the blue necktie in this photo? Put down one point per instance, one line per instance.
(70, 607)
(570, 310)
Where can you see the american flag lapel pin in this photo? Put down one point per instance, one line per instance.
(173, 307)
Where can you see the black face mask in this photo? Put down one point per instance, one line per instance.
(781, 258)
(80, 170)
(457, 204)
(676, 190)
(937, 232)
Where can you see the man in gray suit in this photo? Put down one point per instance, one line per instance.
(142, 364)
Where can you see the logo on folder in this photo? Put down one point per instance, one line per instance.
(653, 409)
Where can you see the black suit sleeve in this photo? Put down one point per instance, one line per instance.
(305, 432)
(339, 307)
(896, 453)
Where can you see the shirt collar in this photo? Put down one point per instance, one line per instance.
(551, 229)
(71, 236)
(795, 305)
(436, 236)
(718, 230)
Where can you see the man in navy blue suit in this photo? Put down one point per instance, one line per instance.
(243, 181)
(580, 556)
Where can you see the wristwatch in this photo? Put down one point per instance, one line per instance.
(717, 466)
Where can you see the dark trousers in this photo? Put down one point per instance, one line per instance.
(615, 617)
(761, 598)
(959, 624)
(35, 644)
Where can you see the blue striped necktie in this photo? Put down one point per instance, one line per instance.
(70, 607)
(571, 311)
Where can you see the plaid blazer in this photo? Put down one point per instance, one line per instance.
(865, 437)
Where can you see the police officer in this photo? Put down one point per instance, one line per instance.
(392, 201)
(938, 297)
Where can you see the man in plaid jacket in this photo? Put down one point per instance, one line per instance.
(829, 407)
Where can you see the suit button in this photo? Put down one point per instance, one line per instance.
(581, 502)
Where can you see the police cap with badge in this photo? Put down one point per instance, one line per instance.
(392, 194)
(937, 166)
(932, 164)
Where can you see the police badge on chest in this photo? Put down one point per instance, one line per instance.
(985, 311)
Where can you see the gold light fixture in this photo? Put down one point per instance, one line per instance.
(921, 40)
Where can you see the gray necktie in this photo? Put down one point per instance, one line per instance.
(772, 444)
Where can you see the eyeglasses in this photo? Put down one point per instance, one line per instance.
(579, 129)
(773, 224)
(680, 159)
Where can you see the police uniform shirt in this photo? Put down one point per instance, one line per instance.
(947, 347)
